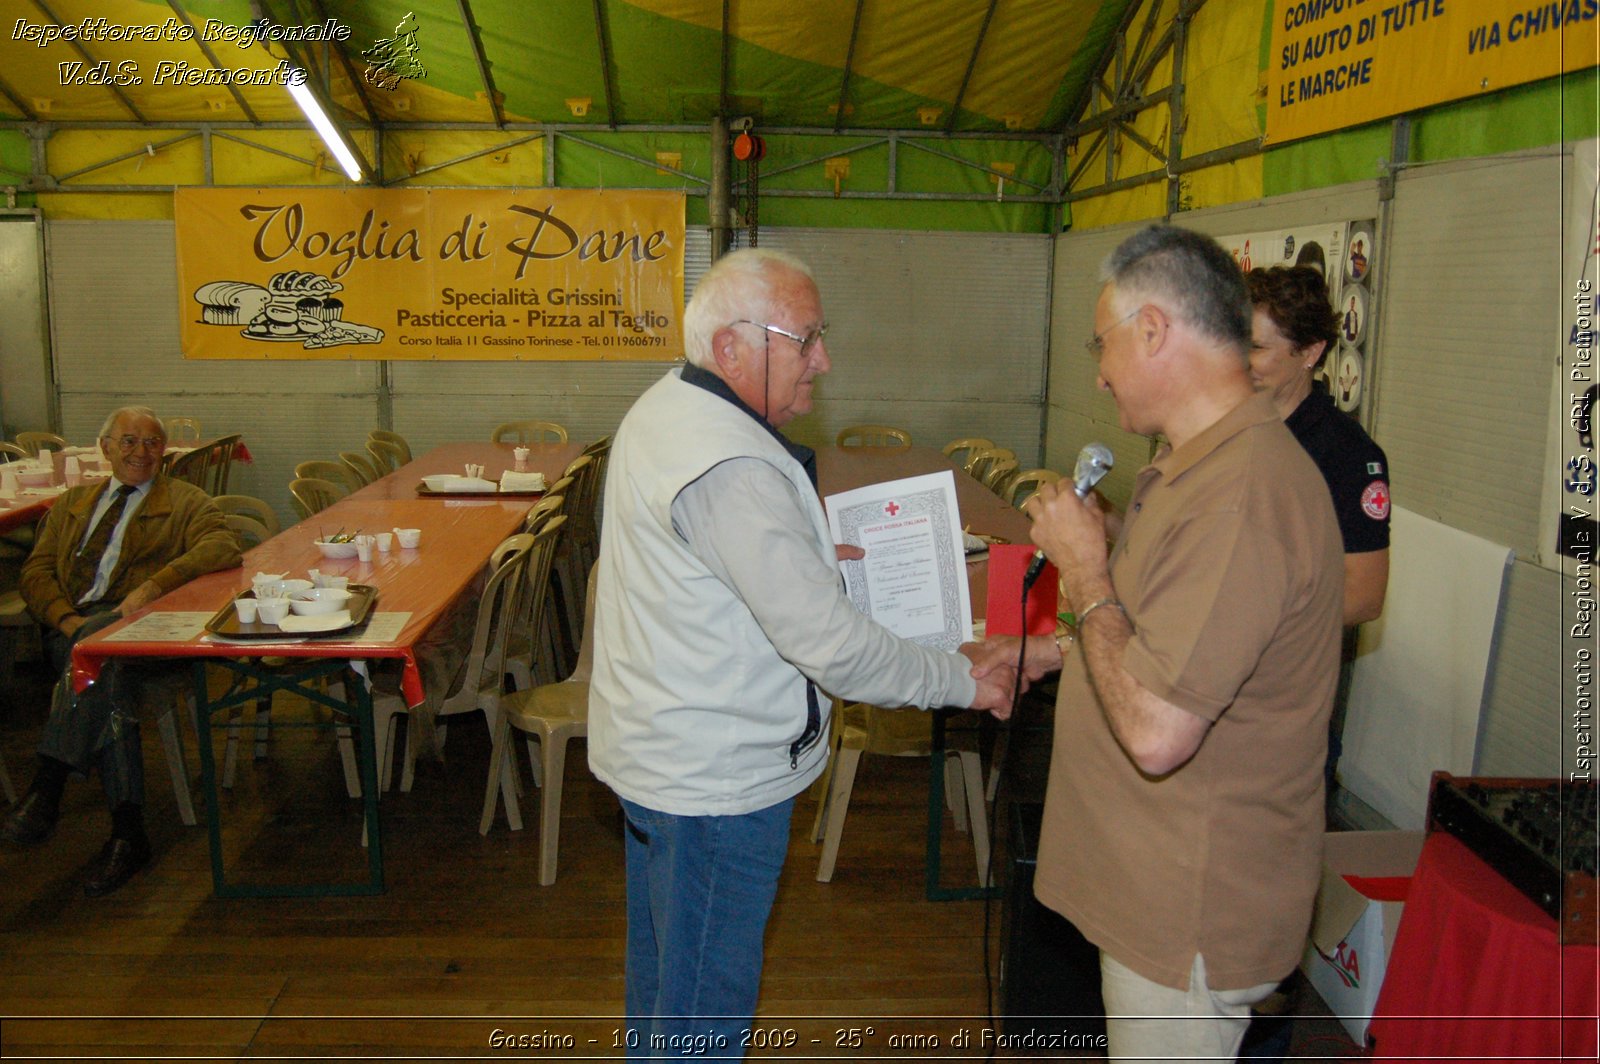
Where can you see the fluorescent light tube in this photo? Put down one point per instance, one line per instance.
(330, 136)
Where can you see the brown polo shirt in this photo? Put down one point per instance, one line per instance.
(1231, 569)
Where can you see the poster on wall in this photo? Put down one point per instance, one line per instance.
(1339, 63)
(1330, 248)
(479, 274)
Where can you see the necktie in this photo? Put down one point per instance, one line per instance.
(81, 577)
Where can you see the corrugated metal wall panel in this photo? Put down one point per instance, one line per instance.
(114, 324)
(942, 334)
(1463, 379)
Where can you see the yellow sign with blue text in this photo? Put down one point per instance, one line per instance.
(1339, 63)
(541, 274)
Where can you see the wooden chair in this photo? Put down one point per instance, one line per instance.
(530, 432)
(873, 436)
(334, 472)
(959, 451)
(182, 431)
(10, 452)
(553, 714)
(482, 676)
(312, 494)
(189, 467)
(34, 442)
(219, 463)
(861, 729)
(387, 456)
(360, 463)
(1026, 484)
(395, 438)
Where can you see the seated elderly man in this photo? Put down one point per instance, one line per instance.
(106, 550)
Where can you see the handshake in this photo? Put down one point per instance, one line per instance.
(994, 666)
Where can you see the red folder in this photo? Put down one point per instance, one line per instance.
(1007, 563)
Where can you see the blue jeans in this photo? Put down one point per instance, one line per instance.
(700, 889)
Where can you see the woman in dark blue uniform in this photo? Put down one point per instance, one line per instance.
(1295, 328)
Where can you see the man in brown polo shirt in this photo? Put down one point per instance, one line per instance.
(1183, 818)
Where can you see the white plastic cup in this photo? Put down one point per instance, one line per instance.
(70, 466)
(409, 538)
(246, 609)
(385, 541)
(273, 611)
(364, 548)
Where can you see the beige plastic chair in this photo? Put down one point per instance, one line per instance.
(873, 436)
(553, 714)
(10, 452)
(998, 477)
(531, 650)
(979, 462)
(251, 507)
(387, 456)
(482, 676)
(247, 530)
(33, 442)
(360, 464)
(182, 431)
(1027, 483)
(333, 472)
(393, 438)
(959, 451)
(529, 432)
(312, 494)
(861, 729)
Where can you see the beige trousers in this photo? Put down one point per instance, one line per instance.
(1148, 1021)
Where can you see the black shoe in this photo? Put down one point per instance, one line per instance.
(31, 822)
(119, 859)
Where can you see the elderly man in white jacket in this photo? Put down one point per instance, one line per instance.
(719, 615)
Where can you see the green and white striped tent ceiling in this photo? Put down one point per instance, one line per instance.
(966, 66)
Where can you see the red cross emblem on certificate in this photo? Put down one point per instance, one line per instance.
(892, 509)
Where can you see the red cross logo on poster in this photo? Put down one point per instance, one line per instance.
(892, 509)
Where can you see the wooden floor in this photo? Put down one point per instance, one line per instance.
(465, 943)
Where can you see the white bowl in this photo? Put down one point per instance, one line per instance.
(318, 600)
(441, 481)
(292, 586)
(336, 550)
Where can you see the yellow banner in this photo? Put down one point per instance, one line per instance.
(553, 274)
(1339, 63)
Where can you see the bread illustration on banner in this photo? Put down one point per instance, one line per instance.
(295, 306)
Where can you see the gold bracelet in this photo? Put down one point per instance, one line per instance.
(1083, 617)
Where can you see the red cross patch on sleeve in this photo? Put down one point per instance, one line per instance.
(1375, 500)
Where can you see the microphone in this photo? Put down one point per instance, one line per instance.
(1094, 462)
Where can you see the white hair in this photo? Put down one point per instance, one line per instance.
(131, 411)
(739, 285)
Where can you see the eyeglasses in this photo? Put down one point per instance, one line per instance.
(807, 342)
(1096, 344)
(128, 443)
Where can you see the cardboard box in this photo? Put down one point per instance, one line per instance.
(1352, 934)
